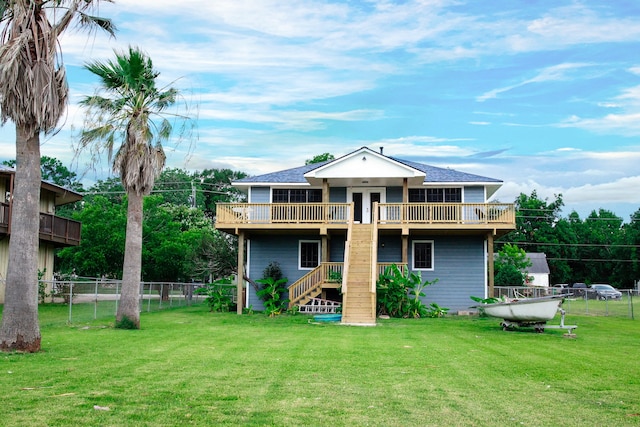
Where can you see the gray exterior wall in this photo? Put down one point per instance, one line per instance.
(394, 194)
(459, 266)
(337, 195)
(474, 194)
(260, 195)
(282, 249)
(389, 249)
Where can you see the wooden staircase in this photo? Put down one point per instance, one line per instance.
(358, 287)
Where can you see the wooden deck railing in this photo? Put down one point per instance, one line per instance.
(52, 228)
(61, 230)
(462, 213)
(389, 213)
(382, 266)
(270, 213)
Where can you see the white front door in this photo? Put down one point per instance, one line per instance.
(363, 199)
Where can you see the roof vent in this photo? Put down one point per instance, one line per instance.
(381, 150)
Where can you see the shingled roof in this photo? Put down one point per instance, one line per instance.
(433, 174)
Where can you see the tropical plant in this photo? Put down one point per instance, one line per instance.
(271, 295)
(33, 95)
(400, 293)
(129, 115)
(434, 310)
(219, 294)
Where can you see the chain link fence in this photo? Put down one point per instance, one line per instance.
(90, 299)
(581, 303)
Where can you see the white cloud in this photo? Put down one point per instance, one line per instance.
(553, 73)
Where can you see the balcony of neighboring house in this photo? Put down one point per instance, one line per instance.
(232, 217)
(53, 228)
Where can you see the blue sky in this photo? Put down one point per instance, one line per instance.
(544, 95)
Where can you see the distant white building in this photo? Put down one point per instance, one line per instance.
(539, 270)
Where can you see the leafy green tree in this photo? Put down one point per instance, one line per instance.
(217, 188)
(33, 95)
(179, 243)
(103, 236)
(213, 255)
(178, 187)
(510, 266)
(130, 113)
(320, 158)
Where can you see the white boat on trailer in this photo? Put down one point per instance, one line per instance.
(532, 312)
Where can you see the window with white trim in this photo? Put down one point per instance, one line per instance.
(422, 255)
(308, 254)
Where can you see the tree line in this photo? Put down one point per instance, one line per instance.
(601, 248)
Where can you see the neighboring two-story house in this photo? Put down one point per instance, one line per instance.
(55, 231)
(337, 224)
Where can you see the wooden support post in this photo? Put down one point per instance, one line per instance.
(240, 281)
(490, 261)
(405, 249)
(324, 249)
(405, 190)
(325, 190)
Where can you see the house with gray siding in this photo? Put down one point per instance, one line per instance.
(339, 223)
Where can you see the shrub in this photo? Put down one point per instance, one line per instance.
(272, 270)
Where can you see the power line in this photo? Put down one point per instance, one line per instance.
(593, 260)
(568, 244)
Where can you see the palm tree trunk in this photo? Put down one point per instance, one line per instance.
(129, 306)
(20, 330)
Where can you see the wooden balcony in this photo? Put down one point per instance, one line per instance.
(61, 231)
(232, 217)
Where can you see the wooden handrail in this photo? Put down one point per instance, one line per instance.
(374, 247)
(325, 272)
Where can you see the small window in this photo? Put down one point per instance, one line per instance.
(309, 256)
(422, 255)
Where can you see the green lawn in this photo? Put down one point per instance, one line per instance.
(191, 367)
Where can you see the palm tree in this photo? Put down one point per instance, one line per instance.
(33, 95)
(132, 114)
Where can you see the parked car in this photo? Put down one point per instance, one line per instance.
(579, 289)
(561, 288)
(602, 291)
